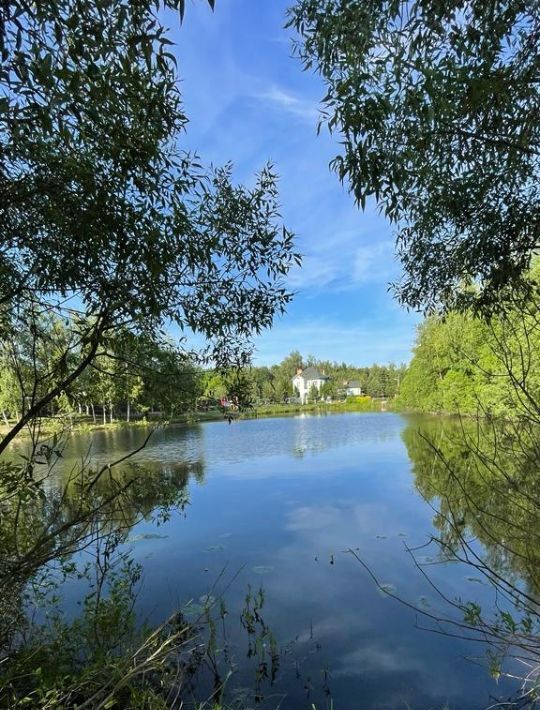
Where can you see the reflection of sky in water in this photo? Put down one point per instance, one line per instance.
(288, 497)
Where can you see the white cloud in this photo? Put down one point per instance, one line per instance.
(371, 658)
(337, 261)
(316, 272)
(374, 263)
(289, 103)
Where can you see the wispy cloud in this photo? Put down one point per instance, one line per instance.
(289, 103)
(375, 262)
(344, 262)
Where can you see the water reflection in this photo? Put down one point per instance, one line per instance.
(218, 445)
(482, 479)
(485, 484)
(283, 501)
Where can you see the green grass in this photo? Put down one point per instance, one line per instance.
(356, 404)
(83, 424)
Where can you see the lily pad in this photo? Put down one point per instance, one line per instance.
(207, 599)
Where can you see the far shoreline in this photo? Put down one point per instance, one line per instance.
(84, 424)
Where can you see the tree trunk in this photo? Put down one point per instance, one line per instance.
(128, 411)
(87, 409)
(39, 405)
(104, 414)
(93, 412)
(5, 417)
(110, 412)
(80, 408)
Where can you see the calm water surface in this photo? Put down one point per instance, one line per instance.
(280, 502)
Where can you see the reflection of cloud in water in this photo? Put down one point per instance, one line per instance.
(344, 481)
(348, 520)
(377, 659)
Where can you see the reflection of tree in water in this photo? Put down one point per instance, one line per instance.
(315, 434)
(483, 482)
(169, 445)
(50, 512)
(103, 657)
(215, 443)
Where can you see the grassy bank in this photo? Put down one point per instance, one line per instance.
(50, 426)
(358, 404)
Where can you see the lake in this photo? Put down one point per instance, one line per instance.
(279, 504)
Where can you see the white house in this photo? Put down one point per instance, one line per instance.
(352, 388)
(304, 380)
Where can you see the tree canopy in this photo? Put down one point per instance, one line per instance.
(104, 220)
(437, 107)
(467, 364)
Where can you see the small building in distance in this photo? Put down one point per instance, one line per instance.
(305, 380)
(352, 388)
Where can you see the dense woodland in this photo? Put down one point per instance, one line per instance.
(462, 363)
(471, 365)
(273, 384)
(135, 377)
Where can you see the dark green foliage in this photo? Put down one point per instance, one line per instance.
(466, 364)
(437, 107)
(104, 220)
(274, 384)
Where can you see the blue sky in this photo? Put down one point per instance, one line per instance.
(249, 101)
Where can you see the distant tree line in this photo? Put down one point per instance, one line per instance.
(133, 375)
(273, 384)
(461, 364)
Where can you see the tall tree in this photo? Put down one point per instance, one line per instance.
(437, 106)
(104, 219)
